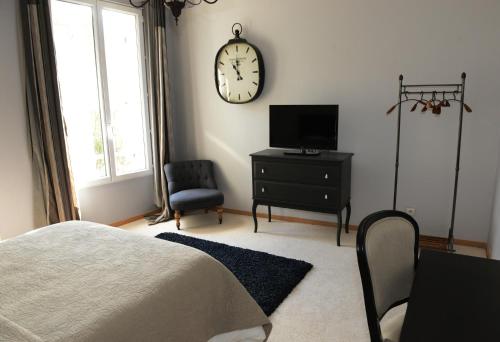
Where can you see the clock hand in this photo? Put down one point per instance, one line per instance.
(238, 64)
(237, 72)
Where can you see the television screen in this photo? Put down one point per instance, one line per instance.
(303, 126)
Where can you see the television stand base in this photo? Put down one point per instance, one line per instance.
(307, 153)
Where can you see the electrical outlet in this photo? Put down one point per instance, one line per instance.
(411, 211)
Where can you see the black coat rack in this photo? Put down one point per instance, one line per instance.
(449, 92)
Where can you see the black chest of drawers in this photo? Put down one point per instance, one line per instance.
(314, 183)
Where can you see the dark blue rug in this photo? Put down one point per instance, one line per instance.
(268, 278)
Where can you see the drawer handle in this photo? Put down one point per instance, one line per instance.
(326, 196)
(263, 190)
(262, 171)
(326, 175)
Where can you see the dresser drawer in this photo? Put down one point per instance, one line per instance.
(320, 196)
(297, 173)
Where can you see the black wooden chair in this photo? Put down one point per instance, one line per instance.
(387, 249)
(192, 186)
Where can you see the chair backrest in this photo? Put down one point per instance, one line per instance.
(191, 174)
(387, 248)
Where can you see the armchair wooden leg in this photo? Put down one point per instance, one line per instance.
(177, 216)
(220, 211)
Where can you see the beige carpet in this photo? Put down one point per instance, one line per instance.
(328, 304)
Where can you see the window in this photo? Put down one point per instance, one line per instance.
(100, 65)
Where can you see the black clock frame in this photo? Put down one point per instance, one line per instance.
(260, 60)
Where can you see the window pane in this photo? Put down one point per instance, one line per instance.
(125, 92)
(78, 82)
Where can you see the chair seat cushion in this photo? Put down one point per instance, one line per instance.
(196, 199)
(391, 324)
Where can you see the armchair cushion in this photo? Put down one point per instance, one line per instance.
(193, 199)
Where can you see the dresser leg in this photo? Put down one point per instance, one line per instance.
(269, 213)
(348, 209)
(254, 214)
(339, 226)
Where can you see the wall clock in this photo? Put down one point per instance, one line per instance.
(239, 70)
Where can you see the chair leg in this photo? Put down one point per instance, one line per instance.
(220, 211)
(177, 216)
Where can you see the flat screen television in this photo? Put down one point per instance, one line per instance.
(303, 127)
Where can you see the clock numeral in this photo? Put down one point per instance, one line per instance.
(255, 83)
(227, 53)
(254, 60)
(255, 72)
(249, 94)
(229, 94)
(239, 96)
(248, 48)
(221, 63)
(236, 48)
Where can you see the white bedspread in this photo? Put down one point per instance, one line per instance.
(79, 281)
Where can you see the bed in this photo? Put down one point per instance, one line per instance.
(81, 281)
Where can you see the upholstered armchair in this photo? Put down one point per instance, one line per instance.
(192, 186)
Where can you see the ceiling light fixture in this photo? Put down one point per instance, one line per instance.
(175, 6)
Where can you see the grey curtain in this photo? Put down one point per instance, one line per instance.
(45, 121)
(159, 102)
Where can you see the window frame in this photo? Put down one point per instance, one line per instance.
(97, 6)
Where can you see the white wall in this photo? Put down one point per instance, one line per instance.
(494, 238)
(351, 53)
(16, 183)
(117, 201)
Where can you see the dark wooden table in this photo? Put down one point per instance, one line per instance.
(454, 298)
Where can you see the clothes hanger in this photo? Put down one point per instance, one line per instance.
(467, 108)
(436, 107)
(431, 104)
(421, 101)
(403, 101)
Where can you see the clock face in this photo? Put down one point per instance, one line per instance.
(239, 72)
